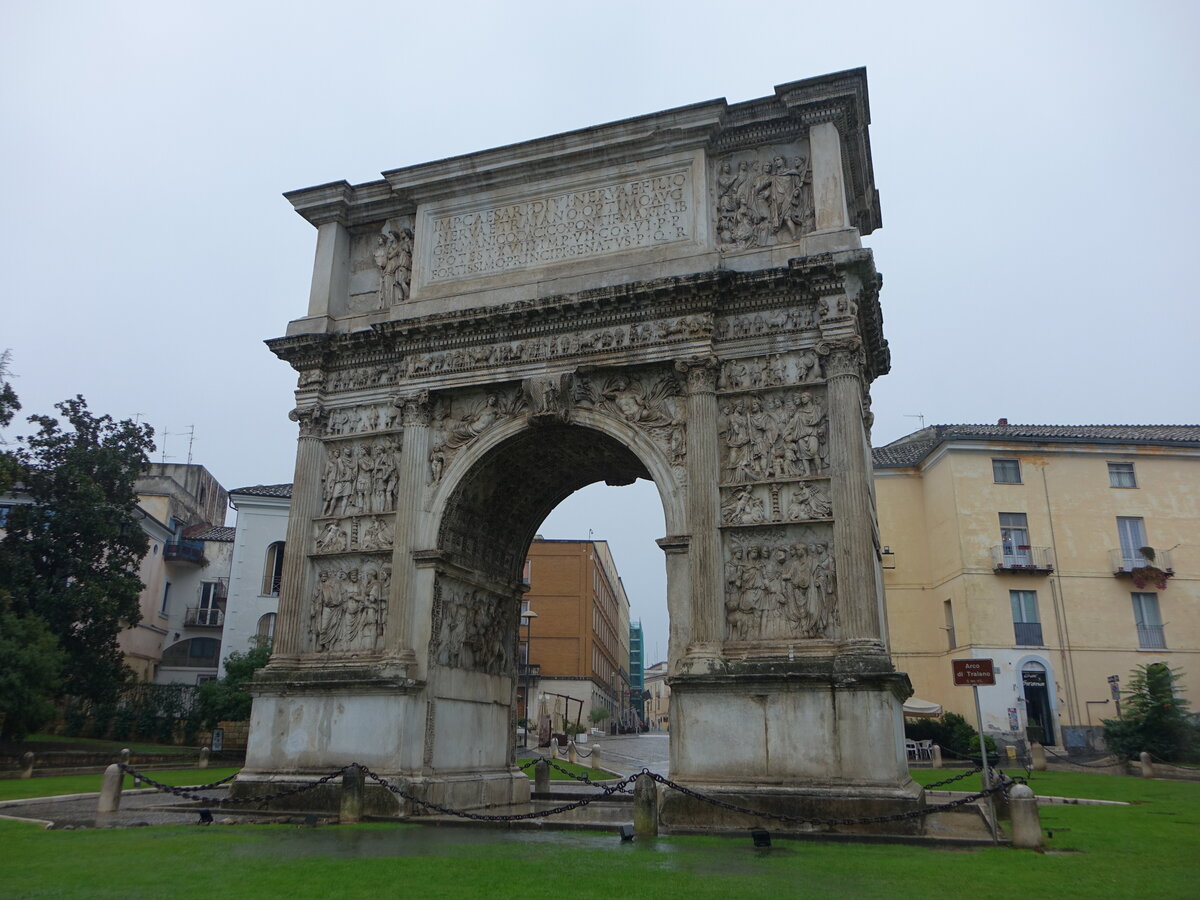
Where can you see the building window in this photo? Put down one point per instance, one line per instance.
(1027, 625)
(273, 570)
(166, 598)
(1131, 530)
(527, 572)
(1006, 471)
(948, 609)
(1121, 475)
(266, 628)
(1148, 622)
(1014, 539)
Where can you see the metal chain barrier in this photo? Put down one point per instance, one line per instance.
(1097, 765)
(226, 801)
(1159, 759)
(606, 791)
(583, 777)
(965, 774)
(1002, 786)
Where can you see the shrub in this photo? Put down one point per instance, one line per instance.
(1153, 718)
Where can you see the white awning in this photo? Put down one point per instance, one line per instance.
(916, 707)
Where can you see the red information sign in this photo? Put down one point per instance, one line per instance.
(973, 671)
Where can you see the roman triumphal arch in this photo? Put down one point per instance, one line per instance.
(681, 297)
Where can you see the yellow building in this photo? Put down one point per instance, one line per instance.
(1066, 554)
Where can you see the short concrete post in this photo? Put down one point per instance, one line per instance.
(1037, 753)
(110, 789)
(541, 776)
(1147, 765)
(202, 762)
(595, 757)
(353, 782)
(645, 806)
(572, 755)
(123, 756)
(1026, 823)
(936, 762)
(27, 764)
(554, 748)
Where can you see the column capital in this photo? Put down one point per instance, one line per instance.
(843, 358)
(311, 419)
(415, 408)
(701, 372)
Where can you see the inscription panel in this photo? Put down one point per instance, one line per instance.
(612, 212)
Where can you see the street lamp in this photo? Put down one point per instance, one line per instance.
(527, 617)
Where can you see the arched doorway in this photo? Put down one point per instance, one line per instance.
(1036, 688)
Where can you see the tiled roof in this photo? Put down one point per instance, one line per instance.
(215, 533)
(266, 490)
(912, 448)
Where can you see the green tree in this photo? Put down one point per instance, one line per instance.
(71, 556)
(1153, 718)
(8, 408)
(30, 667)
(226, 699)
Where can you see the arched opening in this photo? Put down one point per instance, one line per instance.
(1039, 709)
(273, 570)
(489, 520)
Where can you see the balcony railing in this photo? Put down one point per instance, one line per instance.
(1028, 634)
(1019, 558)
(184, 551)
(1126, 562)
(530, 671)
(1150, 637)
(204, 617)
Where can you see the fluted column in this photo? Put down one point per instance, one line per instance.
(413, 478)
(704, 505)
(853, 541)
(306, 505)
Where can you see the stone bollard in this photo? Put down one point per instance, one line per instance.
(554, 748)
(1026, 823)
(645, 806)
(1037, 753)
(110, 789)
(123, 756)
(353, 783)
(572, 755)
(595, 757)
(27, 764)
(1147, 765)
(936, 762)
(541, 776)
(202, 762)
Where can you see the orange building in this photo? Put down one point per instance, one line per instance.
(578, 635)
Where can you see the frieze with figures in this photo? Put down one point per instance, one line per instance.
(359, 478)
(776, 502)
(473, 628)
(780, 583)
(775, 370)
(773, 435)
(353, 420)
(348, 612)
(354, 534)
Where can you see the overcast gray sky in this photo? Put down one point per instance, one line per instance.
(1036, 164)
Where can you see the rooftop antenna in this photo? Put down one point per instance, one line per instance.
(191, 433)
(589, 534)
(165, 434)
(916, 416)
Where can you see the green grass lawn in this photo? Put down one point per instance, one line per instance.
(56, 785)
(1143, 850)
(574, 769)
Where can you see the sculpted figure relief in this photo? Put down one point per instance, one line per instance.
(477, 630)
(358, 420)
(450, 432)
(780, 589)
(750, 324)
(393, 257)
(766, 200)
(349, 607)
(775, 503)
(776, 437)
(359, 478)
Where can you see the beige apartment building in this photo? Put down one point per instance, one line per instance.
(1066, 554)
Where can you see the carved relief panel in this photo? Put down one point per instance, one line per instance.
(353, 534)
(760, 504)
(780, 583)
(473, 628)
(349, 605)
(381, 266)
(763, 196)
(348, 420)
(459, 418)
(359, 477)
(773, 434)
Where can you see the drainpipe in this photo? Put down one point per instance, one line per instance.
(1060, 616)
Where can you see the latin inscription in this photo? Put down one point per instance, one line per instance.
(642, 213)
